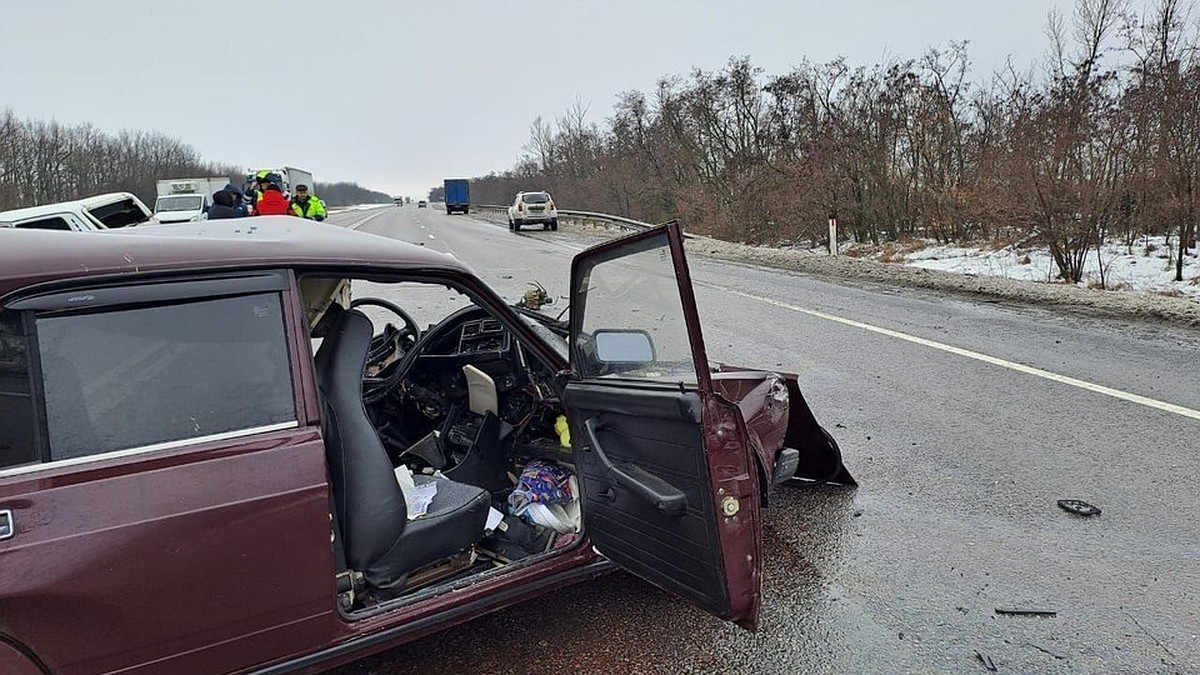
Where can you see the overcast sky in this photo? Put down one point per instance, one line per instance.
(397, 95)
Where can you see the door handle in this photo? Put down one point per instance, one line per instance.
(8, 526)
(664, 496)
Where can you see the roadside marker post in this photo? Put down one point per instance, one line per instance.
(833, 249)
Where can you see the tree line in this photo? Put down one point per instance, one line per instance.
(1100, 143)
(44, 162)
(346, 193)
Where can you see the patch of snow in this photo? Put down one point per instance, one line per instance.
(1145, 268)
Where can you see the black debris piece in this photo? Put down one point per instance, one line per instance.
(1078, 507)
(985, 660)
(1026, 612)
(1047, 650)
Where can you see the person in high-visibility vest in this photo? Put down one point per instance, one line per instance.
(306, 205)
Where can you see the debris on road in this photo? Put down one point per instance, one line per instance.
(1003, 611)
(1152, 636)
(1051, 652)
(986, 660)
(1078, 507)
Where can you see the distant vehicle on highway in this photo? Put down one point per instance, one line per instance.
(185, 199)
(422, 204)
(531, 208)
(458, 195)
(168, 426)
(101, 212)
(398, 201)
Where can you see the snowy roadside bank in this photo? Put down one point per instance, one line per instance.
(1144, 305)
(1181, 310)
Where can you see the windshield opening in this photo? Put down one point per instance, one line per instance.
(180, 203)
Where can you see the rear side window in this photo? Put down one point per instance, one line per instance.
(16, 401)
(55, 223)
(136, 377)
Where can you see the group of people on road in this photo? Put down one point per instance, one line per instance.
(265, 198)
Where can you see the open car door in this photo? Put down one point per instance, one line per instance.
(666, 474)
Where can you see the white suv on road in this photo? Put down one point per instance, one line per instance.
(530, 208)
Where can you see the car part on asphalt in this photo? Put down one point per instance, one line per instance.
(1078, 507)
(1049, 613)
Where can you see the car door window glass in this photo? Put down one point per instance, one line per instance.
(16, 403)
(54, 223)
(142, 376)
(626, 300)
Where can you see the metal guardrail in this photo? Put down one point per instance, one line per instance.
(578, 217)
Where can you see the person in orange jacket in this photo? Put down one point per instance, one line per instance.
(272, 202)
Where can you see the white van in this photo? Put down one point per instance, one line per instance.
(102, 212)
(185, 199)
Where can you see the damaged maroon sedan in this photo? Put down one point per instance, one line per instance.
(278, 446)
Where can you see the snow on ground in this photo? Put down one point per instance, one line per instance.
(1147, 267)
(361, 207)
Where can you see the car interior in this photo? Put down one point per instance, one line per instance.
(446, 445)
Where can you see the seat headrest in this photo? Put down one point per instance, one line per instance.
(343, 354)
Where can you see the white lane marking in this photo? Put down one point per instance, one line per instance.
(363, 221)
(966, 353)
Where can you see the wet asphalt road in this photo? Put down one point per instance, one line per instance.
(959, 462)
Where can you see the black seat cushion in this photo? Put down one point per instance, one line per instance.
(377, 536)
(454, 521)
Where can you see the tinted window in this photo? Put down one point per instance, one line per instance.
(535, 197)
(55, 223)
(16, 404)
(136, 377)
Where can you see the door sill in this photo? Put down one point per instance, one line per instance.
(432, 592)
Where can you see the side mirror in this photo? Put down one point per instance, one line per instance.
(623, 346)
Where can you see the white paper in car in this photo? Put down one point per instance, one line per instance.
(481, 391)
(417, 498)
(493, 519)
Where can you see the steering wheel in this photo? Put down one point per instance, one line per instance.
(411, 330)
(391, 342)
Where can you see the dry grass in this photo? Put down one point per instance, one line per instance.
(892, 253)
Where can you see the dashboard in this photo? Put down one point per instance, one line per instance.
(429, 387)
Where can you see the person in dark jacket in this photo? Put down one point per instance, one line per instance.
(227, 203)
(273, 203)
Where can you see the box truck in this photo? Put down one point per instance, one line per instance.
(458, 195)
(185, 199)
(288, 177)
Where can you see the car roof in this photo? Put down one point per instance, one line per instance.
(59, 207)
(28, 257)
